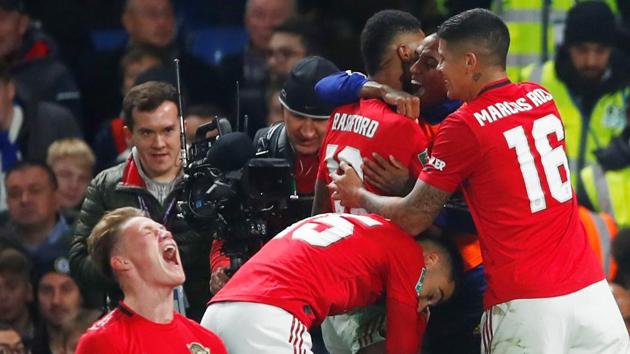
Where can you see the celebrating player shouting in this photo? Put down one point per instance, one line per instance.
(506, 148)
(144, 259)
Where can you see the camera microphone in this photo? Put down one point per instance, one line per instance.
(230, 152)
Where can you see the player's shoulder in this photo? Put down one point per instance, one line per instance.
(103, 334)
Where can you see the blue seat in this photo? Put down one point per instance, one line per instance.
(108, 39)
(213, 43)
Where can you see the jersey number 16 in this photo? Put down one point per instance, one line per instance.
(552, 160)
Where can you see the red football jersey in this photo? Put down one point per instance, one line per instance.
(125, 332)
(369, 126)
(506, 149)
(332, 263)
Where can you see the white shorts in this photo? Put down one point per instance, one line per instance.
(247, 328)
(587, 321)
(349, 333)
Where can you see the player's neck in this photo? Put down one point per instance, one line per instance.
(484, 79)
(390, 78)
(156, 305)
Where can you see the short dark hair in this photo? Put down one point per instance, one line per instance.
(378, 33)
(146, 97)
(450, 251)
(205, 110)
(15, 262)
(301, 27)
(23, 165)
(478, 28)
(105, 235)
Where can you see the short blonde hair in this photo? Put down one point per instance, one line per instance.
(105, 235)
(74, 148)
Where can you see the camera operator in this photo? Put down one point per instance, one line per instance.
(296, 139)
(148, 180)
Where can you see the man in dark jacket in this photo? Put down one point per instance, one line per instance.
(32, 56)
(148, 180)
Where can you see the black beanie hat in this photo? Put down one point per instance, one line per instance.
(298, 93)
(12, 5)
(590, 21)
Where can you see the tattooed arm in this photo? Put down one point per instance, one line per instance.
(414, 212)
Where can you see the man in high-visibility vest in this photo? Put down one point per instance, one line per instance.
(589, 81)
(535, 29)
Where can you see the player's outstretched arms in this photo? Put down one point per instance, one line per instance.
(389, 175)
(321, 200)
(414, 213)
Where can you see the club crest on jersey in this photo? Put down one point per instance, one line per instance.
(196, 348)
(420, 282)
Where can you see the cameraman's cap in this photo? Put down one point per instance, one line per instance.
(298, 93)
(12, 5)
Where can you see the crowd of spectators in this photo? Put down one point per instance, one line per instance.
(89, 123)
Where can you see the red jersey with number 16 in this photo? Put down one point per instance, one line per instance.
(332, 263)
(506, 149)
(369, 126)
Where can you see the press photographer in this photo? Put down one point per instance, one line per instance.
(297, 140)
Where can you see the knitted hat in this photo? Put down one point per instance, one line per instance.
(590, 21)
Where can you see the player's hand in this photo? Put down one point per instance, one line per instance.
(390, 175)
(406, 104)
(347, 186)
(218, 278)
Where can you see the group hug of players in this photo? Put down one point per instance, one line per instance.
(369, 265)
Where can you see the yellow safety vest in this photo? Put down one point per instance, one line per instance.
(524, 19)
(606, 121)
(609, 191)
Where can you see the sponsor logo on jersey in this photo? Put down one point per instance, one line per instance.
(196, 348)
(423, 157)
(420, 282)
(436, 163)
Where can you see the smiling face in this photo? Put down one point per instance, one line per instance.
(454, 70)
(425, 75)
(148, 250)
(156, 137)
(305, 134)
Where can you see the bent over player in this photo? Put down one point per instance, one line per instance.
(326, 265)
(505, 147)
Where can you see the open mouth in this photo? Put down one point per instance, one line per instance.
(417, 88)
(169, 253)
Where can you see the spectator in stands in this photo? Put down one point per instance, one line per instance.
(34, 220)
(31, 56)
(148, 22)
(27, 128)
(147, 280)
(249, 68)
(274, 108)
(110, 144)
(149, 180)
(73, 330)
(290, 42)
(10, 340)
(72, 161)
(588, 80)
(16, 293)
(59, 301)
